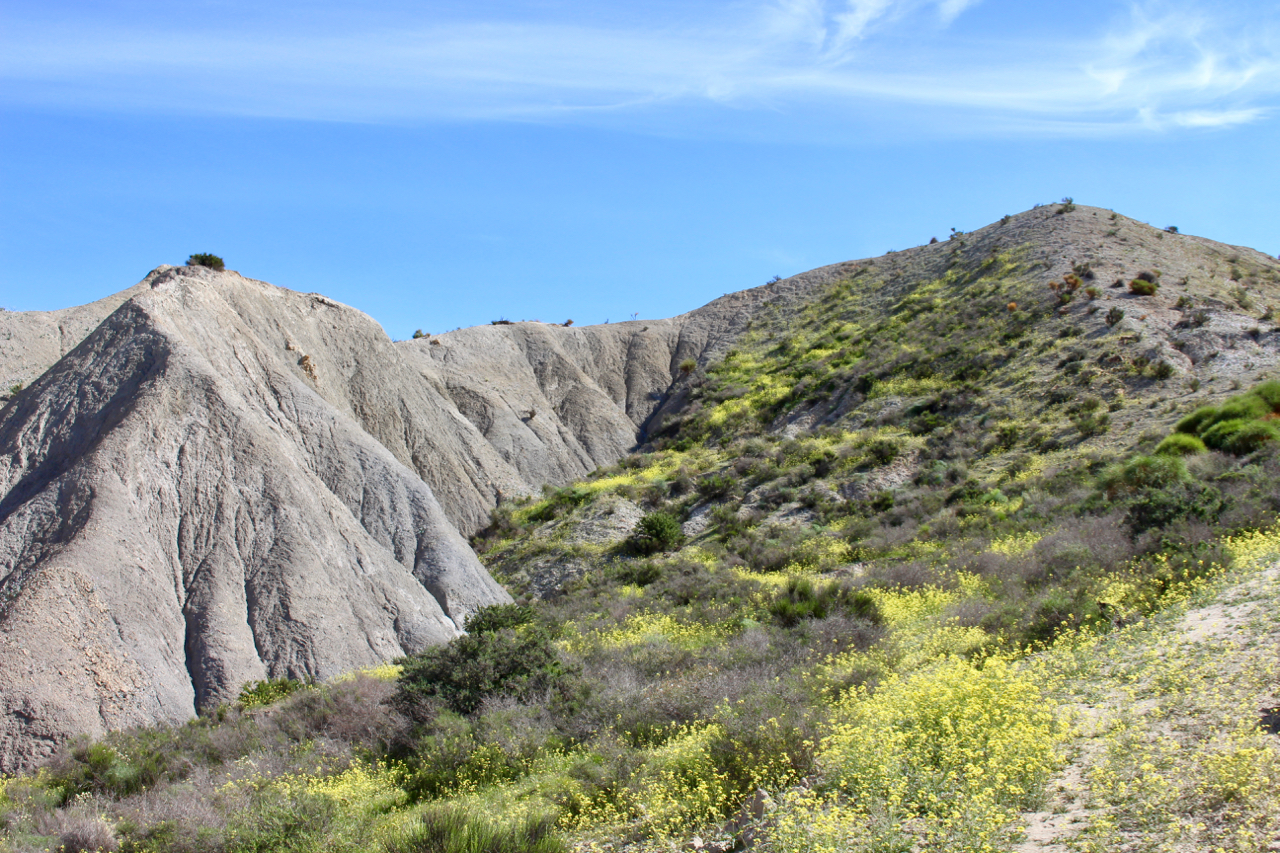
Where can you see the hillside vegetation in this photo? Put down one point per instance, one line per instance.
(960, 553)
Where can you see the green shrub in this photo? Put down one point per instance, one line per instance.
(1160, 507)
(204, 259)
(657, 531)
(1197, 421)
(1144, 472)
(1240, 425)
(640, 574)
(1245, 407)
(495, 617)
(1115, 315)
(1142, 287)
(1180, 444)
(1269, 393)
(558, 502)
(883, 451)
(716, 485)
(517, 662)
(803, 600)
(1240, 437)
(255, 694)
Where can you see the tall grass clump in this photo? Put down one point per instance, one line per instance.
(456, 829)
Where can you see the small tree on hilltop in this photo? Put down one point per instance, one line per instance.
(204, 259)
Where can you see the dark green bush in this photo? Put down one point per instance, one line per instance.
(1160, 507)
(1144, 472)
(1240, 425)
(204, 259)
(1197, 421)
(1239, 437)
(1142, 287)
(558, 502)
(717, 485)
(640, 574)
(883, 451)
(1221, 432)
(517, 662)
(657, 531)
(495, 617)
(803, 600)
(1269, 393)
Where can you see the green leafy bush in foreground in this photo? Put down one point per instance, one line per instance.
(506, 658)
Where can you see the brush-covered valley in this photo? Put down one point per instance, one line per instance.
(969, 547)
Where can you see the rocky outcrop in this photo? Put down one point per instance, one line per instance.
(226, 481)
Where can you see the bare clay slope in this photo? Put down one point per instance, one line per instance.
(556, 403)
(32, 341)
(188, 505)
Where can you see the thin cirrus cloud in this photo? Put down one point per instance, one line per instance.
(1153, 66)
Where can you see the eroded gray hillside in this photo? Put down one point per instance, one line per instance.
(188, 504)
(32, 341)
(556, 403)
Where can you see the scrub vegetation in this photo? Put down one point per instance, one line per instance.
(916, 570)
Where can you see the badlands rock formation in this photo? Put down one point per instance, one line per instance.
(190, 501)
(226, 481)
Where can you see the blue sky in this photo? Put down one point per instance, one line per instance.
(442, 164)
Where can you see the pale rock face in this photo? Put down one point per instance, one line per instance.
(186, 509)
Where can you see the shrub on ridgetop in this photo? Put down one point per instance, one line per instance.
(204, 259)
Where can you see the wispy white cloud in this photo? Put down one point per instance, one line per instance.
(1161, 66)
(1221, 118)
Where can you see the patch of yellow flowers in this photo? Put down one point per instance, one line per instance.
(948, 755)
